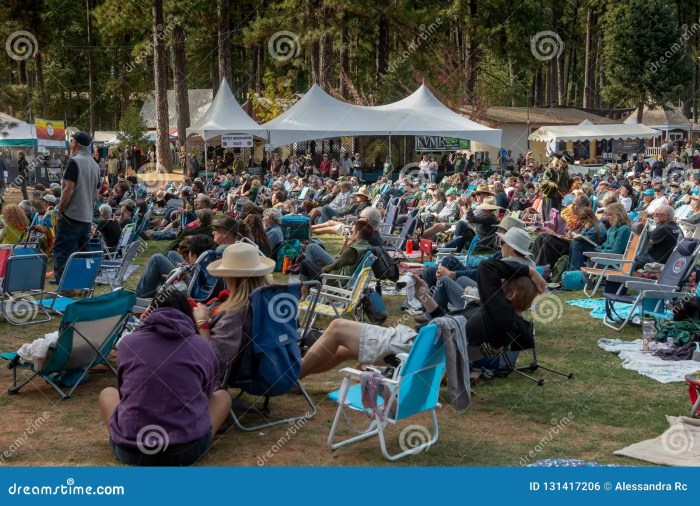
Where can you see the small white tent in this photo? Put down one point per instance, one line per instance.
(225, 116)
(16, 132)
(318, 115)
(588, 131)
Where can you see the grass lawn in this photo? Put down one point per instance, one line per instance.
(511, 421)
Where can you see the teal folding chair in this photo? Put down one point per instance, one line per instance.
(415, 388)
(87, 333)
(79, 275)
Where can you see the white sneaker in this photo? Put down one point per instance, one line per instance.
(471, 293)
(406, 281)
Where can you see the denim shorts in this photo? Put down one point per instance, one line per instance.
(174, 455)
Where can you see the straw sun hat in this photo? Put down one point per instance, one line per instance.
(241, 260)
(489, 204)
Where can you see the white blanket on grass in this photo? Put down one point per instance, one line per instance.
(679, 445)
(646, 364)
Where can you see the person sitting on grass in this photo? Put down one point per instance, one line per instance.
(167, 404)
(509, 289)
(243, 270)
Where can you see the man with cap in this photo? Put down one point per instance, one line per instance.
(662, 240)
(79, 190)
(660, 198)
(450, 285)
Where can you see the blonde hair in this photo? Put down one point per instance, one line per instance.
(617, 210)
(14, 216)
(609, 198)
(240, 290)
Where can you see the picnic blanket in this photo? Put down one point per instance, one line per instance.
(646, 364)
(597, 307)
(679, 445)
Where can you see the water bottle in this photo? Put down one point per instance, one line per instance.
(648, 332)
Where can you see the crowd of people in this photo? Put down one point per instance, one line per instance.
(523, 219)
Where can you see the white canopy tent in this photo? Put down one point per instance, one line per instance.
(19, 134)
(318, 115)
(586, 131)
(224, 116)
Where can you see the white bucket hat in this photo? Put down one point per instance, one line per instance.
(518, 239)
(241, 260)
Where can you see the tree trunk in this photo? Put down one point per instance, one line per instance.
(224, 39)
(640, 109)
(160, 71)
(215, 77)
(314, 54)
(344, 57)
(91, 71)
(40, 79)
(472, 58)
(589, 63)
(182, 102)
(22, 71)
(554, 63)
(382, 49)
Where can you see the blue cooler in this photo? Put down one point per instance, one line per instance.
(296, 227)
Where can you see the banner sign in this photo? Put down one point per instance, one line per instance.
(436, 143)
(50, 133)
(236, 141)
(629, 146)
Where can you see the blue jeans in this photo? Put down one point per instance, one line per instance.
(449, 291)
(327, 213)
(576, 258)
(316, 254)
(71, 236)
(165, 235)
(451, 263)
(158, 266)
(433, 177)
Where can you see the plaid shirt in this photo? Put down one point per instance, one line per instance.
(341, 200)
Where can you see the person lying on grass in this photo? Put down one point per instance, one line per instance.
(167, 404)
(506, 290)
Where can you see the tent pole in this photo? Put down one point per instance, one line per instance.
(390, 147)
(206, 167)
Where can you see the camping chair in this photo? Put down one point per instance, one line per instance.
(445, 252)
(87, 333)
(272, 340)
(610, 264)
(79, 274)
(396, 243)
(414, 388)
(329, 280)
(203, 286)
(115, 272)
(24, 275)
(125, 239)
(340, 302)
(676, 271)
(390, 216)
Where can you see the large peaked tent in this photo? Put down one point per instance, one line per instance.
(224, 116)
(318, 115)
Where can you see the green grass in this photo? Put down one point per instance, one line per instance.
(604, 408)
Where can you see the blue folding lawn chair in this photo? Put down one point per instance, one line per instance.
(79, 275)
(269, 363)
(87, 333)
(22, 285)
(414, 388)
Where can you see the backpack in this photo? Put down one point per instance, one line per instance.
(373, 307)
(289, 249)
(559, 269)
(384, 267)
(572, 280)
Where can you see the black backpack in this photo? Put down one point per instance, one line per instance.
(384, 267)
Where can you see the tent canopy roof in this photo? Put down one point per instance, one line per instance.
(318, 115)
(225, 116)
(588, 131)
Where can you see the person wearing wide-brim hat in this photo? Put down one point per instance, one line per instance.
(243, 270)
(517, 240)
(363, 191)
(482, 189)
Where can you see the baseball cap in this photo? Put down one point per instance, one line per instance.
(227, 223)
(82, 138)
(50, 199)
(648, 192)
(451, 191)
(128, 203)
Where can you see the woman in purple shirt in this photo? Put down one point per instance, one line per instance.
(167, 404)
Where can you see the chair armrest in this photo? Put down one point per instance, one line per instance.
(446, 250)
(334, 276)
(611, 262)
(598, 254)
(622, 279)
(663, 294)
(642, 286)
(356, 373)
